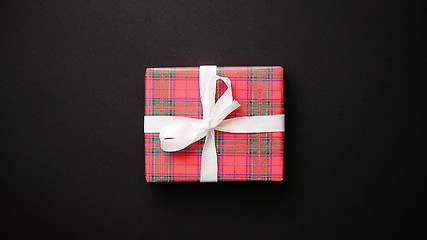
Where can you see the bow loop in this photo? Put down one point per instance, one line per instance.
(178, 136)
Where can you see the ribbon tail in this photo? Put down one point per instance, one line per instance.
(209, 162)
(253, 124)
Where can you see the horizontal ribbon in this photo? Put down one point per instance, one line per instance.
(176, 133)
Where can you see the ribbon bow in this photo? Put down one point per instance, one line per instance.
(177, 136)
(176, 133)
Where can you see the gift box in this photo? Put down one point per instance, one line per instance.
(253, 156)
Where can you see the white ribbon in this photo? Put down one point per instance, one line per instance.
(176, 133)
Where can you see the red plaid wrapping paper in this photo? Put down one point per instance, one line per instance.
(241, 156)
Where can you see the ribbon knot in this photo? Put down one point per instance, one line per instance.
(208, 124)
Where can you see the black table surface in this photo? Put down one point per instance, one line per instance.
(72, 158)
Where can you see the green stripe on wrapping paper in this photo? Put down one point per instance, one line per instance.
(266, 106)
(219, 150)
(266, 103)
(252, 152)
(266, 75)
(254, 75)
(265, 146)
(156, 102)
(155, 145)
(166, 178)
(167, 102)
(219, 142)
(253, 106)
(168, 75)
(253, 143)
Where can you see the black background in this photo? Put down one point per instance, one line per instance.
(72, 77)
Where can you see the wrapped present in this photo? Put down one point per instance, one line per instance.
(213, 124)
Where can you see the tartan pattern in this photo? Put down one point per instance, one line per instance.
(241, 157)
